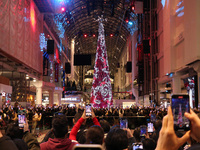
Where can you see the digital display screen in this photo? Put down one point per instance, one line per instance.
(153, 117)
(137, 146)
(143, 131)
(150, 127)
(88, 110)
(21, 120)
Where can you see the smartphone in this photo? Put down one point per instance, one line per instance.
(137, 146)
(153, 117)
(87, 147)
(21, 120)
(88, 110)
(180, 105)
(123, 123)
(150, 127)
(143, 130)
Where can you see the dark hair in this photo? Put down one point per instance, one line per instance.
(158, 124)
(77, 116)
(13, 131)
(136, 134)
(94, 135)
(149, 144)
(116, 140)
(60, 126)
(105, 125)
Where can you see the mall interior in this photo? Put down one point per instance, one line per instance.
(48, 50)
(118, 63)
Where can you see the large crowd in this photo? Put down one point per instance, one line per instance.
(68, 126)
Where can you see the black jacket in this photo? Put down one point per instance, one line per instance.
(21, 145)
(7, 144)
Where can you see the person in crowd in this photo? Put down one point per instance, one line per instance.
(136, 134)
(36, 117)
(60, 130)
(78, 124)
(6, 143)
(169, 141)
(16, 135)
(149, 144)
(95, 135)
(157, 126)
(106, 127)
(116, 140)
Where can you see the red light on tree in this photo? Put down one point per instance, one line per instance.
(85, 35)
(126, 20)
(133, 8)
(111, 35)
(93, 35)
(63, 9)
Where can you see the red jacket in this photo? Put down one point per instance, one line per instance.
(76, 127)
(57, 144)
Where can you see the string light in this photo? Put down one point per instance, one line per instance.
(43, 42)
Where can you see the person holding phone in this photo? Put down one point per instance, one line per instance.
(60, 130)
(6, 143)
(78, 124)
(167, 138)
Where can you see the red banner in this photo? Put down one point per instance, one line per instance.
(56, 71)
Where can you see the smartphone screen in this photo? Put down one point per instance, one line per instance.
(88, 110)
(123, 123)
(21, 120)
(150, 127)
(137, 146)
(153, 117)
(143, 130)
(180, 105)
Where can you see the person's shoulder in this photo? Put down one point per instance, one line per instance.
(7, 143)
(43, 145)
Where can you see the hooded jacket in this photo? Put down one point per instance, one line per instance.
(57, 144)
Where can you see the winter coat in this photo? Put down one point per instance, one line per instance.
(7, 144)
(57, 144)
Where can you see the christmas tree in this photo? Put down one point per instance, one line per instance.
(101, 92)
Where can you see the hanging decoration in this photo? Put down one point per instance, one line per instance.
(101, 92)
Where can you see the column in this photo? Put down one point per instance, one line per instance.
(198, 85)
(59, 98)
(196, 67)
(38, 85)
(176, 82)
(158, 96)
(51, 98)
(38, 96)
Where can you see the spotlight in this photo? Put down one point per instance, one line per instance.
(130, 23)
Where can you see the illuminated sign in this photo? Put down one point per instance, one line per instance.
(75, 99)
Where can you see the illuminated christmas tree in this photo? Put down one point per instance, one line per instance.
(180, 118)
(101, 92)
